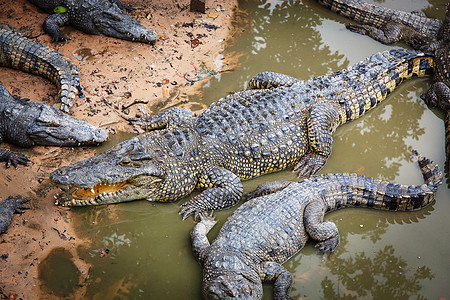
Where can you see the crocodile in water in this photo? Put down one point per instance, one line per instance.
(241, 136)
(265, 232)
(100, 17)
(27, 55)
(386, 25)
(8, 208)
(30, 123)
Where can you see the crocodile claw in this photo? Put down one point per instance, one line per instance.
(356, 28)
(16, 159)
(309, 165)
(190, 208)
(329, 245)
(208, 221)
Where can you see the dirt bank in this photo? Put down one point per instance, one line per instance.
(119, 78)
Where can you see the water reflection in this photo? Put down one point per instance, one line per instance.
(382, 276)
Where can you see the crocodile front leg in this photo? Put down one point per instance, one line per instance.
(267, 188)
(13, 158)
(326, 233)
(52, 24)
(281, 277)
(322, 122)
(8, 208)
(224, 189)
(199, 239)
(167, 118)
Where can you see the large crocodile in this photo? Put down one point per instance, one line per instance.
(265, 232)
(439, 93)
(8, 208)
(242, 136)
(100, 17)
(30, 123)
(21, 53)
(386, 25)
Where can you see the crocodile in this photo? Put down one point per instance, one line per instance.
(387, 25)
(99, 17)
(27, 124)
(8, 208)
(241, 136)
(19, 52)
(439, 93)
(264, 232)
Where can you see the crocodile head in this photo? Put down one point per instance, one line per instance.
(123, 173)
(112, 21)
(232, 285)
(52, 127)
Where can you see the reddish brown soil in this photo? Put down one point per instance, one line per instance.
(119, 78)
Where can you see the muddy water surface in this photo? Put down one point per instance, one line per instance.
(382, 255)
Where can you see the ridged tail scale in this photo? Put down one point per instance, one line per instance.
(377, 16)
(380, 74)
(27, 55)
(364, 191)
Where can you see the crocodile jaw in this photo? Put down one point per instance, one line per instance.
(137, 188)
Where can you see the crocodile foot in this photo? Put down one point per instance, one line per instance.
(192, 208)
(208, 221)
(356, 28)
(328, 245)
(13, 158)
(309, 165)
(8, 208)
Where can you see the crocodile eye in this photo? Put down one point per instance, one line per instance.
(124, 161)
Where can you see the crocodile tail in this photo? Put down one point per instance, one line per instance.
(447, 140)
(361, 191)
(27, 55)
(377, 16)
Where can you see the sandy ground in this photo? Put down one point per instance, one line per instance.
(119, 78)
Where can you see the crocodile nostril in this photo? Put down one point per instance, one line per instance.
(125, 160)
(61, 171)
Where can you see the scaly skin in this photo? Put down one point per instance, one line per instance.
(20, 53)
(27, 124)
(243, 135)
(386, 25)
(265, 232)
(8, 208)
(95, 17)
(439, 93)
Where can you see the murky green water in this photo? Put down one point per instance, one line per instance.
(382, 255)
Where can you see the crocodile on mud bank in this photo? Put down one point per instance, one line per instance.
(95, 17)
(266, 231)
(387, 25)
(241, 136)
(27, 124)
(21, 53)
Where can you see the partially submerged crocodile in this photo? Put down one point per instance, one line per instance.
(265, 232)
(8, 208)
(386, 25)
(27, 55)
(30, 123)
(243, 135)
(95, 17)
(439, 93)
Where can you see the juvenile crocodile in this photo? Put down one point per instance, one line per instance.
(386, 25)
(27, 55)
(8, 208)
(265, 232)
(243, 135)
(99, 17)
(30, 123)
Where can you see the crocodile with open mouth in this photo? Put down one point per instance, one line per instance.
(241, 136)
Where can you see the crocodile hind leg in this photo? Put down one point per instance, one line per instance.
(265, 80)
(224, 190)
(322, 122)
(167, 118)
(267, 188)
(52, 24)
(326, 233)
(281, 277)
